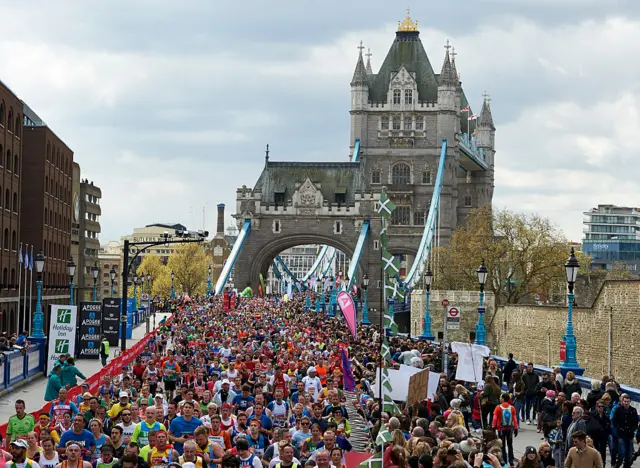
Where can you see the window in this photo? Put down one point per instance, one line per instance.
(418, 218)
(419, 123)
(408, 96)
(10, 121)
(13, 277)
(277, 227)
(5, 277)
(426, 176)
(376, 245)
(375, 177)
(1, 158)
(396, 123)
(401, 174)
(408, 123)
(467, 200)
(15, 202)
(17, 129)
(7, 200)
(48, 150)
(46, 216)
(2, 113)
(278, 198)
(384, 123)
(6, 239)
(401, 216)
(15, 163)
(340, 198)
(396, 96)
(7, 164)
(14, 241)
(337, 227)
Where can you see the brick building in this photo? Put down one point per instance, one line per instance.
(47, 198)
(10, 200)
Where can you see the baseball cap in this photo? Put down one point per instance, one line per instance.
(85, 385)
(123, 395)
(529, 450)
(226, 381)
(20, 443)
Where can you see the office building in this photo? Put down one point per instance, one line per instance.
(612, 237)
(109, 257)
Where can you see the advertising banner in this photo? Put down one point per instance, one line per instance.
(111, 319)
(62, 333)
(89, 327)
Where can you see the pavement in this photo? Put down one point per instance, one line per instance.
(33, 392)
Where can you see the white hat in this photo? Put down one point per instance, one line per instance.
(123, 395)
(480, 386)
(225, 381)
(188, 465)
(311, 369)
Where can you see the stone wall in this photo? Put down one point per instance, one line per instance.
(606, 333)
(466, 301)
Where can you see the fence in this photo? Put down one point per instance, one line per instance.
(16, 366)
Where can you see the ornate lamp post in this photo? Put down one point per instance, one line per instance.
(95, 271)
(38, 316)
(427, 334)
(307, 301)
(481, 330)
(333, 301)
(209, 285)
(570, 361)
(135, 290)
(365, 307)
(71, 269)
(149, 284)
(113, 274)
(173, 289)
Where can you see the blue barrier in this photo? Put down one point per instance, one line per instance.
(16, 366)
(585, 382)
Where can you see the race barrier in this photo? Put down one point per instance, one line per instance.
(18, 367)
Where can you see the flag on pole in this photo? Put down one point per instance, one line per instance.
(389, 322)
(384, 436)
(386, 205)
(31, 260)
(389, 405)
(466, 109)
(389, 262)
(472, 117)
(20, 254)
(26, 257)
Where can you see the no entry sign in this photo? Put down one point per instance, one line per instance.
(453, 317)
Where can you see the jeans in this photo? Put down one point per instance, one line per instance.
(600, 444)
(529, 405)
(104, 357)
(625, 452)
(613, 448)
(519, 404)
(507, 443)
(487, 415)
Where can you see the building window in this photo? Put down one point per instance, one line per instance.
(401, 216)
(6, 239)
(401, 174)
(396, 123)
(15, 202)
(48, 150)
(2, 113)
(17, 129)
(396, 96)
(408, 96)
(376, 245)
(384, 123)
(15, 164)
(337, 227)
(14, 241)
(408, 123)
(467, 200)
(340, 198)
(375, 177)
(7, 164)
(426, 176)
(418, 218)
(7, 200)
(277, 226)
(419, 123)
(278, 198)
(10, 121)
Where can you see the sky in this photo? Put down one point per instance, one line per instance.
(168, 105)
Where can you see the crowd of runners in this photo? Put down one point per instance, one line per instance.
(262, 385)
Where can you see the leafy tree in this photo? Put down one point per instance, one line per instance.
(189, 264)
(524, 254)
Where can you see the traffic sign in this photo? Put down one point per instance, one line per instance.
(453, 317)
(144, 297)
(445, 302)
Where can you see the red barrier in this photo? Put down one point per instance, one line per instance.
(113, 368)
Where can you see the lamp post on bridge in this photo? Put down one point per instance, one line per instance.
(427, 334)
(112, 275)
(173, 289)
(365, 307)
(38, 316)
(95, 271)
(209, 285)
(307, 301)
(135, 287)
(569, 361)
(481, 329)
(71, 269)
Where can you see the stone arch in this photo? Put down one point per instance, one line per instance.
(271, 249)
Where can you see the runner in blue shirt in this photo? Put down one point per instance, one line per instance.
(243, 401)
(183, 427)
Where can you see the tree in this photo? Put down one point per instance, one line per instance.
(151, 265)
(189, 265)
(524, 254)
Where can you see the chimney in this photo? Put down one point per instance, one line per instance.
(220, 228)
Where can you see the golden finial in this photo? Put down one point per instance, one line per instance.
(408, 24)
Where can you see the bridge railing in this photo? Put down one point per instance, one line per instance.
(16, 366)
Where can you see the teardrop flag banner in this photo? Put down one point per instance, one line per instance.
(348, 309)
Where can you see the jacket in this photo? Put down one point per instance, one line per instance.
(587, 458)
(598, 427)
(53, 387)
(625, 421)
(509, 367)
(69, 374)
(530, 383)
(549, 410)
(497, 417)
(570, 388)
(575, 426)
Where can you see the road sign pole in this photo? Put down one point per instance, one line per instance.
(445, 356)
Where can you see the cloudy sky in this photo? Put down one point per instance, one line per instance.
(168, 104)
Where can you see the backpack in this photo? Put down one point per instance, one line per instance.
(506, 418)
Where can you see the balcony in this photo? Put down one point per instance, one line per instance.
(475, 157)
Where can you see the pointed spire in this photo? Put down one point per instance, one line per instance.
(454, 70)
(446, 75)
(486, 119)
(360, 73)
(368, 54)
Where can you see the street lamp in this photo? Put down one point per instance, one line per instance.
(149, 284)
(173, 289)
(333, 301)
(112, 274)
(427, 334)
(209, 285)
(71, 268)
(570, 362)
(38, 316)
(365, 307)
(307, 301)
(135, 287)
(95, 271)
(481, 330)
